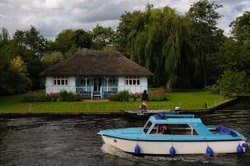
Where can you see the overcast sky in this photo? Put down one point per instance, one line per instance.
(53, 16)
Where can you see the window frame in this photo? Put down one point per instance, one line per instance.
(133, 80)
(60, 80)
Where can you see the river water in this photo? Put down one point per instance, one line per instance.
(73, 141)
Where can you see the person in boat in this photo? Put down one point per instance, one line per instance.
(144, 107)
(165, 129)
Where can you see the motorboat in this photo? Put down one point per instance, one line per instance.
(185, 134)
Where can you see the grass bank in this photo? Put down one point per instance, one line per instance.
(186, 100)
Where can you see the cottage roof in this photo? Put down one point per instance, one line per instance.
(93, 62)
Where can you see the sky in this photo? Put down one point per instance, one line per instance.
(50, 17)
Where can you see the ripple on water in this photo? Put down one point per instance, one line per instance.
(73, 141)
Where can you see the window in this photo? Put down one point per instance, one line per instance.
(60, 81)
(84, 81)
(132, 81)
(147, 126)
(182, 129)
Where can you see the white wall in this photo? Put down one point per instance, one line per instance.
(133, 88)
(51, 88)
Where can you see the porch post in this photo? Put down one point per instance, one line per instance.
(86, 86)
(107, 79)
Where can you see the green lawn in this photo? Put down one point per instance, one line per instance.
(186, 100)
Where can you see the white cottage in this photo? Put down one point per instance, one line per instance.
(96, 74)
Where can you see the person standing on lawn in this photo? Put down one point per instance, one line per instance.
(144, 97)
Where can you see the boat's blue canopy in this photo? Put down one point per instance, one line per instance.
(175, 120)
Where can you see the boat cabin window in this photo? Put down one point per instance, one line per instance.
(182, 129)
(173, 129)
(147, 126)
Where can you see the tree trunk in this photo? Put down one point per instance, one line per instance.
(169, 86)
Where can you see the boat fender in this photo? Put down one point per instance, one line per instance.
(245, 145)
(137, 150)
(172, 151)
(240, 149)
(209, 151)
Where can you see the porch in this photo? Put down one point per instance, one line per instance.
(96, 87)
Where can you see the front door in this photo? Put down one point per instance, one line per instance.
(97, 84)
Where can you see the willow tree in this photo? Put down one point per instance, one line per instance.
(159, 40)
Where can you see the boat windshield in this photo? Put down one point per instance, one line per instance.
(147, 126)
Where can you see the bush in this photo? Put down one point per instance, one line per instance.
(34, 97)
(158, 94)
(6, 90)
(135, 96)
(114, 97)
(52, 97)
(68, 96)
(121, 96)
(233, 83)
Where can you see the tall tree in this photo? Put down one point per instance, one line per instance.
(235, 59)
(102, 37)
(4, 62)
(18, 75)
(206, 37)
(241, 28)
(69, 38)
(31, 46)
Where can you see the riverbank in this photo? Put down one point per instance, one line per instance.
(197, 100)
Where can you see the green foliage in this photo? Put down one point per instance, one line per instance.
(206, 38)
(52, 58)
(31, 46)
(68, 96)
(69, 38)
(102, 37)
(159, 40)
(120, 96)
(53, 97)
(35, 97)
(241, 28)
(19, 81)
(233, 83)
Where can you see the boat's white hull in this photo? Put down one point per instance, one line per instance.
(162, 148)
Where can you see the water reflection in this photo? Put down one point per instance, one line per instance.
(50, 141)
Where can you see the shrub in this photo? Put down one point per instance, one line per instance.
(233, 83)
(52, 97)
(114, 97)
(35, 97)
(121, 96)
(68, 96)
(124, 95)
(158, 94)
(135, 96)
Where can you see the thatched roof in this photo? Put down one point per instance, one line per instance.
(90, 62)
